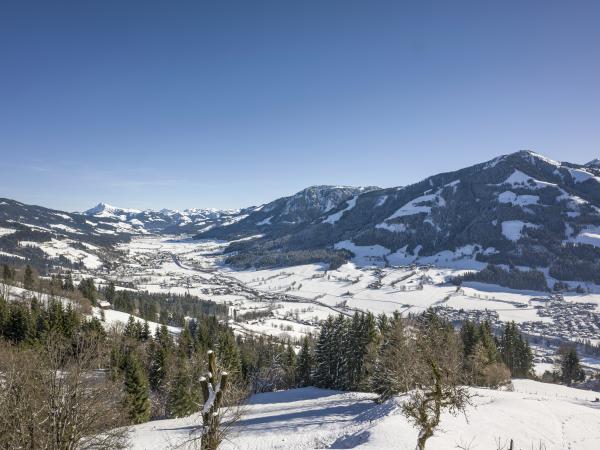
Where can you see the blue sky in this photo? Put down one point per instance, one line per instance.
(228, 104)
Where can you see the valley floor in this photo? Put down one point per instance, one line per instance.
(537, 416)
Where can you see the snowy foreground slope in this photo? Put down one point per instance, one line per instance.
(535, 415)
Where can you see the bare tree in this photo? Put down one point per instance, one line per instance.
(56, 398)
(437, 371)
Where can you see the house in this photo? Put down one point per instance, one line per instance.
(103, 304)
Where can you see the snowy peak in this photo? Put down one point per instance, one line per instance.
(105, 210)
(593, 163)
(191, 220)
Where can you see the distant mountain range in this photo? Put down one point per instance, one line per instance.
(521, 209)
(169, 221)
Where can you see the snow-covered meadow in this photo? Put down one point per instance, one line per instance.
(534, 415)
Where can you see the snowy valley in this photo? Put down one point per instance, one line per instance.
(514, 239)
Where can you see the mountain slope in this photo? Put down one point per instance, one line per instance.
(522, 209)
(286, 214)
(41, 236)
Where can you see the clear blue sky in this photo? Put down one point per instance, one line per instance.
(227, 104)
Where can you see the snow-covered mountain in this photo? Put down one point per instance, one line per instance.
(194, 220)
(521, 209)
(44, 236)
(287, 213)
(593, 163)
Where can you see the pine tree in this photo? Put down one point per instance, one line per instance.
(7, 274)
(323, 373)
(515, 351)
(185, 345)
(130, 328)
(18, 326)
(305, 364)
(109, 292)
(468, 334)
(181, 396)
(391, 373)
(290, 364)
(68, 283)
(28, 280)
(88, 289)
(229, 355)
(145, 331)
(570, 368)
(137, 403)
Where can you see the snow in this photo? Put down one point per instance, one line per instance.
(533, 157)
(580, 175)
(266, 221)
(113, 317)
(63, 216)
(333, 218)
(513, 229)
(393, 227)
(535, 415)
(381, 200)
(589, 235)
(6, 231)
(66, 228)
(11, 255)
(56, 248)
(414, 207)
(363, 254)
(520, 179)
(521, 200)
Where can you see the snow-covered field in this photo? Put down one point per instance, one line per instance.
(536, 416)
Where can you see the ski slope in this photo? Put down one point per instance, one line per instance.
(534, 415)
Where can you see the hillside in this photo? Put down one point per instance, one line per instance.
(520, 209)
(286, 214)
(535, 415)
(44, 236)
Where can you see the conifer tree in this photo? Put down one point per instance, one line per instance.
(229, 355)
(305, 364)
(137, 403)
(68, 283)
(130, 328)
(323, 373)
(392, 372)
(145, 331)
(515, 351)
(181, 396)
(18, 326)
(185, 345)
(7, 273)
(28, 280)
(570, 368)
(290, 364)
(88, 290)
(109, 292)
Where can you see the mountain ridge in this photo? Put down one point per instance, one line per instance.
(521, 209)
